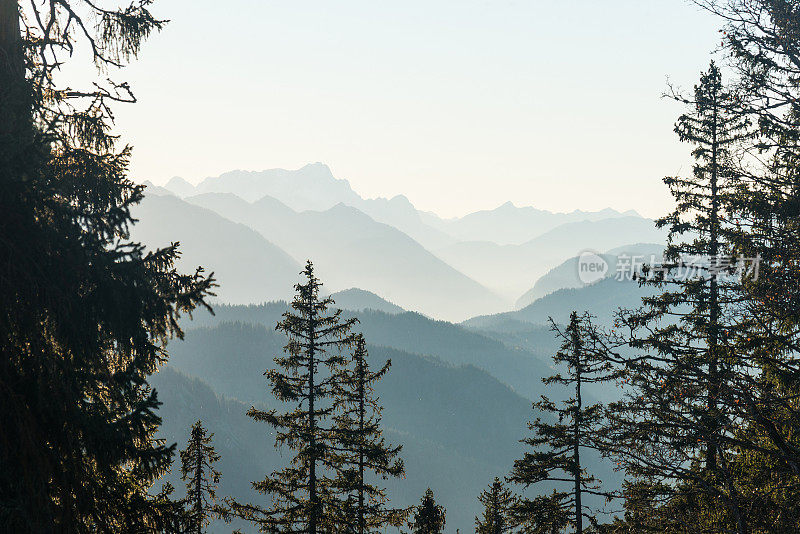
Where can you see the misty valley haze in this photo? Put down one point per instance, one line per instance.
(449, 269)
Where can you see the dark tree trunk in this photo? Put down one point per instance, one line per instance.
(361, 410)
(577, 432)
(198, 488)
(12, 72)
(713, 386)
(312, 476)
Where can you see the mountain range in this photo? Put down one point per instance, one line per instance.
(512, 225)
(621, 261)
(313, 187)
(247, 267)
(453, 269)
(350, 249)
(511, 270)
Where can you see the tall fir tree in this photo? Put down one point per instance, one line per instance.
(498, 510)
(570, 428)
(676, 427)
(716, 128)
(84, 312)
(429, 517)
(305, 495)
(362, 450)
(201, 478)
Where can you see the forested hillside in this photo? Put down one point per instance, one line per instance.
(521, 368)
(446, 413)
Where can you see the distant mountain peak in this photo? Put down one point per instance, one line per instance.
(317, 165)
(153, 189)
(356, 299)
(320, 170)
(311, 187)
(341, 207)
(401, 199)
(180, 187)
(177, 180)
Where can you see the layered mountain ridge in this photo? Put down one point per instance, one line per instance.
(453, 269)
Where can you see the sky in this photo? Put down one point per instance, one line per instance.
(459, 105)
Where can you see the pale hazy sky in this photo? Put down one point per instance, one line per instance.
(459, 105)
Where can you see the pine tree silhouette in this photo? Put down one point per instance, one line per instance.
(84, 312)
(197, 470)
(305, 496)
(571, 428)
(675, 427)
(361, 448)
(498, 513)
(714, 127)
(429, 517)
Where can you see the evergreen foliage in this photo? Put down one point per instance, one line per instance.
(761, 40)
(675, 427)
(558, 440)
(714, 126)
(362, 450)
(85, 312)
(429, 517)
(445, 416)
(498, 509)
(708, 433)
(305, 495)
(197, 470)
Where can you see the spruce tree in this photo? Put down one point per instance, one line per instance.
(498, 510)
(715, 127)
(84, 312)
(197, 470)
(675, 432)
(570, 426)
(361, 449)
(429, 517)
(305, 497)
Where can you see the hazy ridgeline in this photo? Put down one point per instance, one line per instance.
(374, 245)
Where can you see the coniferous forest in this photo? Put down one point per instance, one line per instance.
(177, 359)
